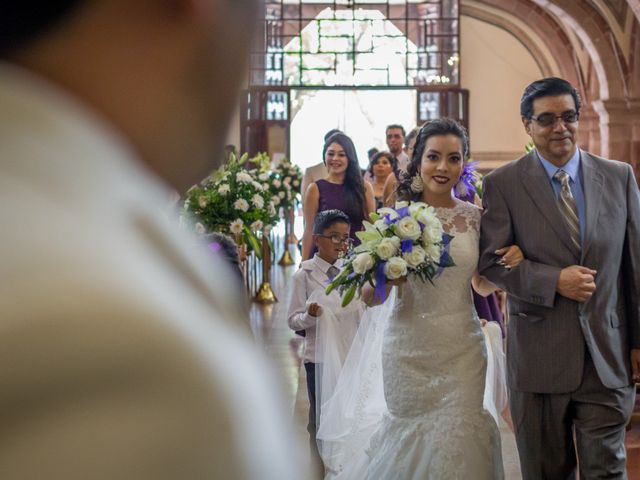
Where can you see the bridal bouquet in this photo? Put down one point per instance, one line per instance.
(407, 239)
(232, 201)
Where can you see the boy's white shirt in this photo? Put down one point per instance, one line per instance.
(311, 277)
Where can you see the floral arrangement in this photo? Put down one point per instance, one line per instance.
(407, 239)
(290, 174)
(282, 194)
(232, 201)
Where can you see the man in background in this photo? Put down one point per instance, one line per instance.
(394, 135)
(121, 356)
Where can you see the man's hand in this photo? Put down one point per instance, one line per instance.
(576, 283)
(635, 364)
(314, 310)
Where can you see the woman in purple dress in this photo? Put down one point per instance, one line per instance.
(342, 189)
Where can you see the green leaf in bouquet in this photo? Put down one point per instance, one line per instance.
(349, 294)
(253, 241)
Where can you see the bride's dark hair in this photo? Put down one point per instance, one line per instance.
(441, 126)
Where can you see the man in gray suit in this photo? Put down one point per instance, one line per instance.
(573, 342)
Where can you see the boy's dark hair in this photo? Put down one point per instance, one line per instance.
(547, 87)
(327, 218)
(395, 126)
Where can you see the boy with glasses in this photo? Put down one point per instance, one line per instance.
(331, 237)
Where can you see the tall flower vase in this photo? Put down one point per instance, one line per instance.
(290, 218)
(265, 292)
(243, 261)
(286, 259)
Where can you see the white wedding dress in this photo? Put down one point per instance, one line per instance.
(428, 421)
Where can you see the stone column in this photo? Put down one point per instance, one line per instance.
(618, 122)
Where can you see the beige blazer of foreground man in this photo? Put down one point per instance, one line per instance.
(120, 358)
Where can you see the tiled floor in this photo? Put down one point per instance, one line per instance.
(269, 325)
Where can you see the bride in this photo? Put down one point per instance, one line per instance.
(425, 348)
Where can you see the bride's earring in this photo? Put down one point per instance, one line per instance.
(416, 183)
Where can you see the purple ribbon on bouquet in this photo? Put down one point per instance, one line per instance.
(444, 256)
(380, 291)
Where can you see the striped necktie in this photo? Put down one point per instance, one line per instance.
(332, 271)
(568, 207)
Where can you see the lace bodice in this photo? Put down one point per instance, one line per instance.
(451, 291)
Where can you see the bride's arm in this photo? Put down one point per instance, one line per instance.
(510, 258)
(368, 293)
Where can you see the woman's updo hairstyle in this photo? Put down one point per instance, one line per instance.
(441, 126)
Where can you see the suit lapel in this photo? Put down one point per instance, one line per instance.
(537, 185)
(593, 186)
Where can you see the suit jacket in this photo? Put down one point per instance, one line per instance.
(548, 333)
(121, 357)
(313, 174)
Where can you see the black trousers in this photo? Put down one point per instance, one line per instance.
(312, 426)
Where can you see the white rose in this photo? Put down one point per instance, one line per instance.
(202, 201)
(415, 257)
(224, 189)
(271, 210)
(241, 204)
(276, 200)
(257, 186)
(276, 183)
(236, 226)
(263, 177)
(243, 177)
(281, 194)
(258, 201)
(432, 233)
(287, 180)
(396, 267)
(257, 226)
(400, 205)
(388, 247)
(362, 263)
(265, 186)
(433, 252)
(408, 228)
(200, 228)
(296, 183)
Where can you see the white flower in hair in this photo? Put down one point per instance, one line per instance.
(236, 226)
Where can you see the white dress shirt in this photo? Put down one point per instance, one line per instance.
(311, 277)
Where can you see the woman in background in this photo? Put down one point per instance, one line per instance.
(342, 189)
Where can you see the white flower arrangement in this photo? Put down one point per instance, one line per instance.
(231, 200)
(401, 241)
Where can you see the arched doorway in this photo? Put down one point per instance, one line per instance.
(367, 57)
